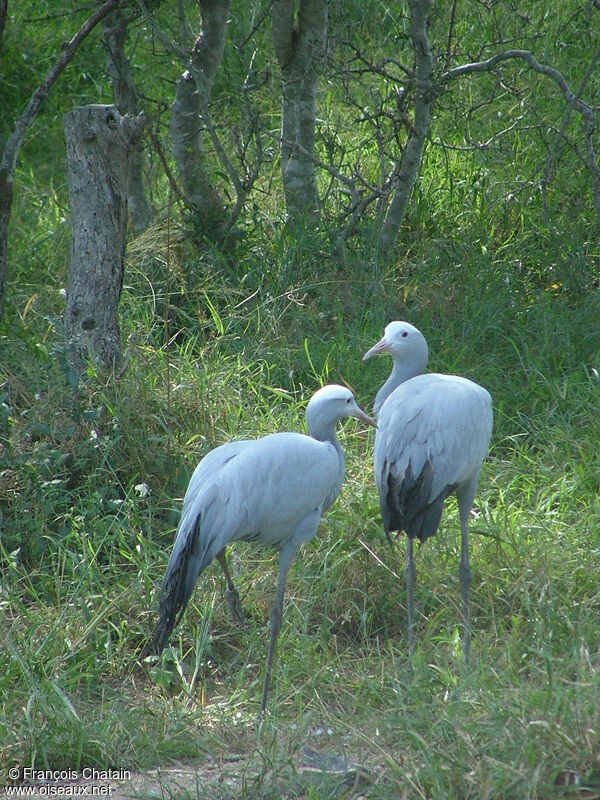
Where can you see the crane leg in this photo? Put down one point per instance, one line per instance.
(464, 573)
(234, 605)
(285, 559)
(410, 574)
(464, 569)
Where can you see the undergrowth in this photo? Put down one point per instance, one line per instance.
(92, 478)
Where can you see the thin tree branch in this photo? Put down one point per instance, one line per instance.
(264, 14)
(358, 204)
(474, 146)
(451, 33)
(371, 68)
(525, 55)
(167, 43)
(587, 112)
(9, 156)
(173, 185)
(563, 127)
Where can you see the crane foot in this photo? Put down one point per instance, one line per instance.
(234, 605)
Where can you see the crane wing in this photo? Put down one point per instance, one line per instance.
(271, 486)
(209, 466)
(433, 434)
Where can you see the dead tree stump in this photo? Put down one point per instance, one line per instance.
(99, 144)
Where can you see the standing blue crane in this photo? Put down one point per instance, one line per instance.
(433, 433)
(271, 490)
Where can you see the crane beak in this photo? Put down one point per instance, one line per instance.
(360, 414)
(380, 347)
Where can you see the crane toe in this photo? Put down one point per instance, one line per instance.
(234, 606)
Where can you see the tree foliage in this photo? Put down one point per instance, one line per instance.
(368, 81)
(423, 112)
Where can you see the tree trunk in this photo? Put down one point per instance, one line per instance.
(3, 12)
(413, 152)
(201, 195)
(6, 196)
(127, 102)
(99, 144)
(188, 119)
(299, 48)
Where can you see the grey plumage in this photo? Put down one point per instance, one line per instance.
(271, 490)
(433, 434)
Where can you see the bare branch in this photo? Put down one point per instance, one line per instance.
(481, 145)
(9, 156)
(575, 102)
(168, 44)
(525, 55)
(567, 116)
(358, 203)
(262, 16)
(173, 185)
(450, 34)
(372, 68)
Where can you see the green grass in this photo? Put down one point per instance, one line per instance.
(505, 294)
(83, 551)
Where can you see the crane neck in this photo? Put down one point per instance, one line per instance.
(401, 371)
(323, 431)
(326, 432)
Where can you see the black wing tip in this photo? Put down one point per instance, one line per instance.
(171, 608)
(170, 611)
(407, 506)
(175, 592)
(159, 639)
(154, 646)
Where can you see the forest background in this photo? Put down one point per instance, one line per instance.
(306, 173)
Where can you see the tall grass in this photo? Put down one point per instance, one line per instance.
(84, 544)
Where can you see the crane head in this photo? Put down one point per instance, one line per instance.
(333, 403)
(404, 343)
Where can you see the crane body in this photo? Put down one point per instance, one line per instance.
(433, 434)
(272, 491)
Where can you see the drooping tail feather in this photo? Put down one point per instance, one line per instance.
(171, 606)
(185, 564)
(406, 505)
